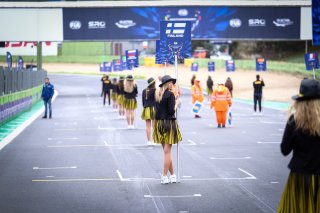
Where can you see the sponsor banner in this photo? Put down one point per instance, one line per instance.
(194, 67)
(261, 64)
(207, 22)
(9, 60)
(29, 48)
(117, 65)
(175, 39)
(132, 58)
(106, 67)
(316, 22)
(230, 66)
(211, 66)
(312, 61)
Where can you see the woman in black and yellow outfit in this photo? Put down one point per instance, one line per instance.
(302, 137)
(166, 129)
(120, 98)
(148, 102)
(114, 95)
(130, 101)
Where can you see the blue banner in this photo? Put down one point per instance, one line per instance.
(117, 65)
(132, 58)
(315, 22)
(175, 37)
(230, 66)
(211, 66)
(194, 67)
(207, 22)
(261, 64)
(20, 63)
(312, 61)
(9, 60)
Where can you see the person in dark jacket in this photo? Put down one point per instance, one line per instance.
(257, 94)
(120, 99)
(209, 87)
(166, 129)
(103, 76)
(229, 85)
(302, 138)
(114, 95)
(106, 89)
(148, 103)
(130, 101)
(47, 94)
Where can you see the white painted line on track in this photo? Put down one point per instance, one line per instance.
(270, 142)
(120, 176)
(76, 180)
(192, 143)
(53, 168)
(185, 176)
(74, 146)
(274, 182)
(239, 158)
(172, 196)
(250, 175)
(49, 176)
(52, 139)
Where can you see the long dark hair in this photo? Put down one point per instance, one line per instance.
(121, 84)
(150, 87)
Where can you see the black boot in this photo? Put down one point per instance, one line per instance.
(44, 117)
(219, 125)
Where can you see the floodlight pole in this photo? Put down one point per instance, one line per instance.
(177, 90)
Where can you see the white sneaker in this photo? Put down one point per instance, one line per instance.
(164, 179)
(260, 114)
(254, 113)
(173, 178)
(149, 143)
(132, 126)
(129, 127)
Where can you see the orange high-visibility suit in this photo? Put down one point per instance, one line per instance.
(196, 92)
(221, 101)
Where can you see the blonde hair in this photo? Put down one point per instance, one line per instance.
(160, 92)
(129, 86)
(307, 116)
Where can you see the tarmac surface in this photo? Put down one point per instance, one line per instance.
(86, 160)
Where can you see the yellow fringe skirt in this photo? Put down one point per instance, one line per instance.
(301, 194)
(130, 104)
(148, 113)
(114, 96)
(120, 99)
(166, 131)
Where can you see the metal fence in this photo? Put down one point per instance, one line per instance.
(13, 80)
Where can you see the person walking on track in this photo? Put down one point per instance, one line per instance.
(229, 85)
(209, 87)
(106, 89)
(197, 94)
(148, 112)
(257, 94)
(130, 102)
(47, 94)
(166, 129)
(302, 138)
(103, 76)
(221, 101)
(120, 99)
(114, 95)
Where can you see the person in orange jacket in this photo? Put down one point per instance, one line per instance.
(197, 94)
(221, 101)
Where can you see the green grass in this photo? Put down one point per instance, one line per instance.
(86, 48)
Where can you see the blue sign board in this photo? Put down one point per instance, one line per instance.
(132, 58)
(20, 63)
(211, 66)
(9, 60)
(207, 22)
(194, 67)
(315, 22)
(230, 66)
(106, 67)
(261, 64)
(312, 61)
(117, 66)
(175, 38)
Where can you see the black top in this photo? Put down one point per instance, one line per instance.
(165, 109)
(306, 149)
(114, 88)
(148, 97)
(131, 95)
(106, 84)
(209, 83)
(257, 85)
(120, 91)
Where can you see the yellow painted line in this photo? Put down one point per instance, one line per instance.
(76, 180)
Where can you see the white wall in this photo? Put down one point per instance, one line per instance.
(306, 23)
(31, 25)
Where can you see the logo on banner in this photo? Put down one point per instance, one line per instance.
(235, 23)
(75, 25)
(257, 22)
(183, 12)
(125, 24)
(175, 30)
(283, 22)
(96, 24)
(132, 58)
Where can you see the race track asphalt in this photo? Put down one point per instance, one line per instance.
(86, 160)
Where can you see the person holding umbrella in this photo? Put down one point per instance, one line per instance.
(302, 138)
(166, 129)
